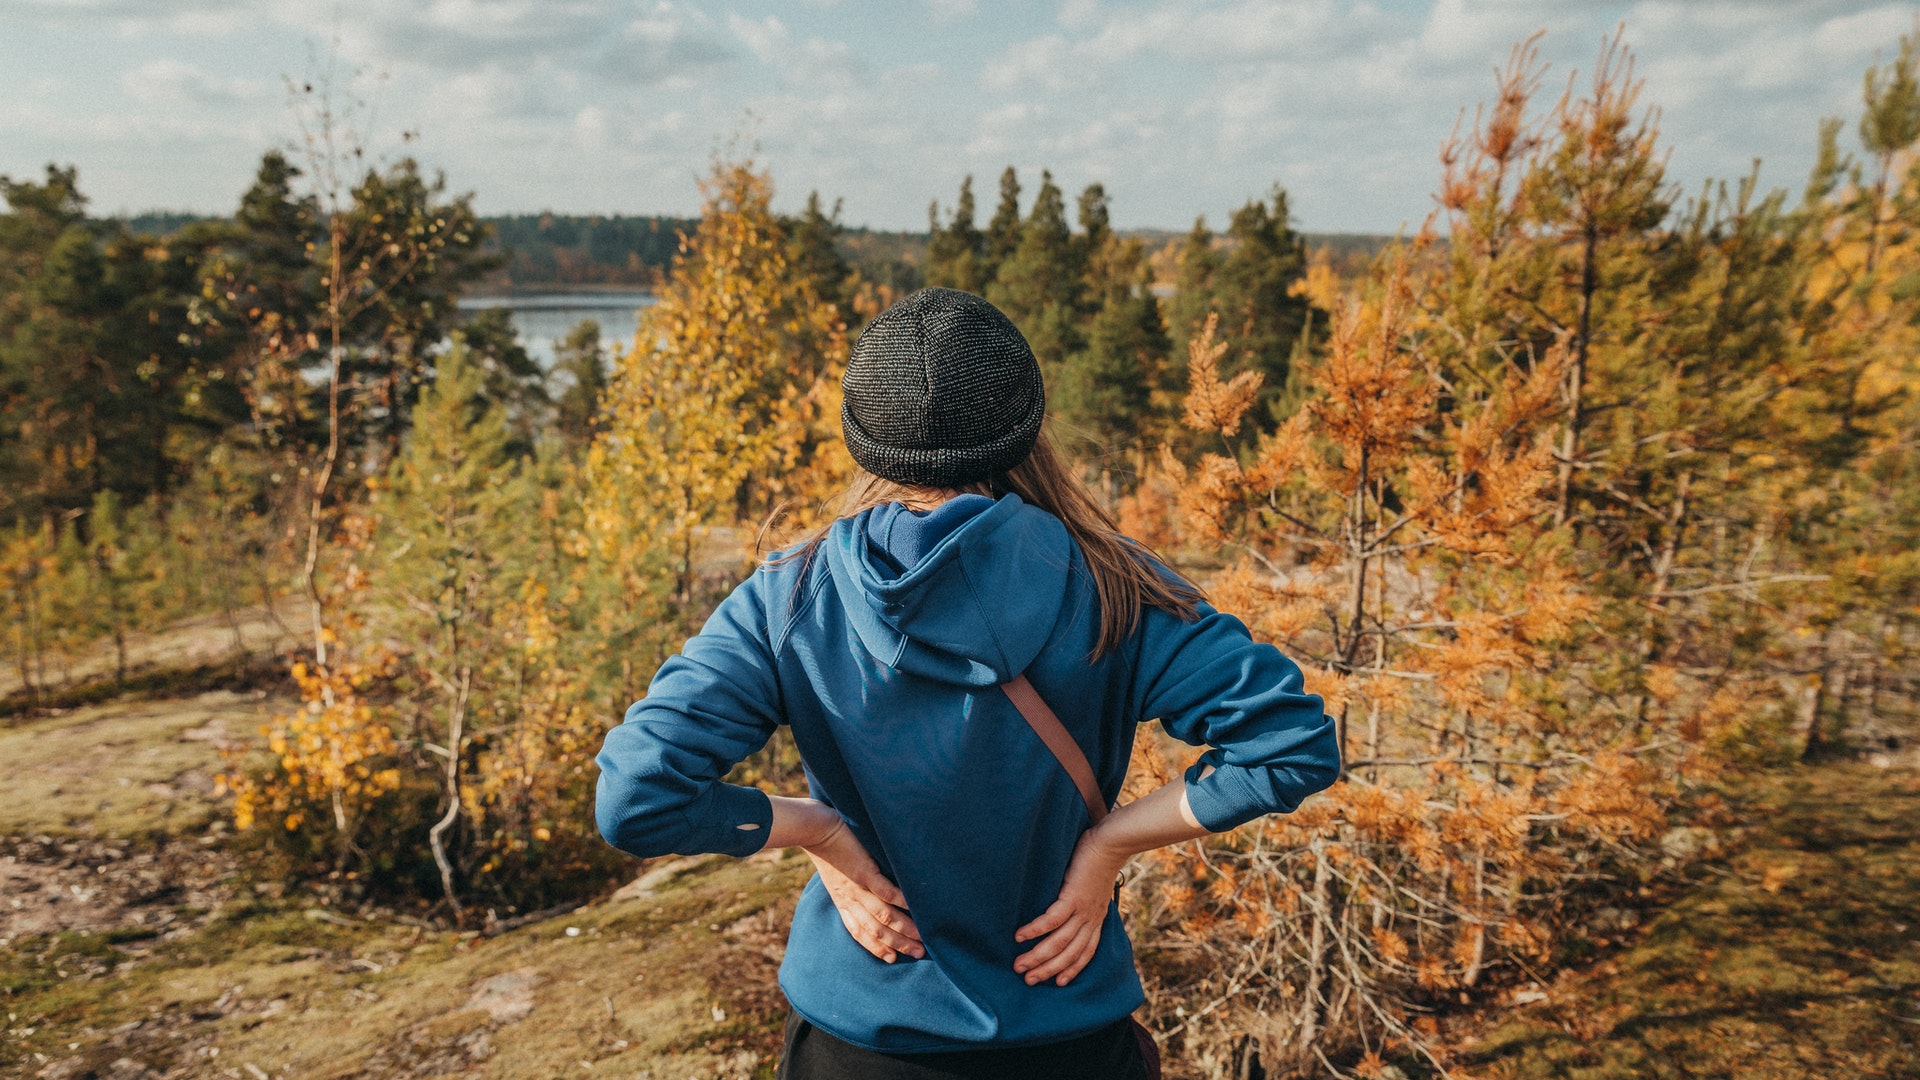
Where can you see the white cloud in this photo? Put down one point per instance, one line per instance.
(1242, 31)
(201, 15)
(1079, 14)
(590, 127)
(1457, 31)
(1179, 106)
(768, 39)
(1006, 132)
(1865, 32)
(946, 11)
(174, 82)
(1049, 63)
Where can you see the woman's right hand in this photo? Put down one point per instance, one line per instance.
(873, 909)
(1070, 929)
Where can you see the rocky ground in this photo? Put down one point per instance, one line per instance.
(136, 942)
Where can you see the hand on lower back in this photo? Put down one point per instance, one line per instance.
(1069, 931)
(873, 909)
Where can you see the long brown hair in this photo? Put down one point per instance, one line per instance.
(1123, 570)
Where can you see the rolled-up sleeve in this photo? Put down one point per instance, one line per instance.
(1210, 684)
(660, 791)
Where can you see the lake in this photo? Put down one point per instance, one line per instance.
(543, 319)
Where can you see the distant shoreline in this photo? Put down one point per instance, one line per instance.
(531, 289)
(555, 297)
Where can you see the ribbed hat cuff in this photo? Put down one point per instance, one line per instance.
(942, 466)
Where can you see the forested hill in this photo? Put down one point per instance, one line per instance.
(572, 249)
(586, 250)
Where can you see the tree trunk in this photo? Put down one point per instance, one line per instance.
(323, 477)
(1676, 527)
(456, 723)
(1316, 953)
(1577, 377)
(1816, 700)
(1373, 741)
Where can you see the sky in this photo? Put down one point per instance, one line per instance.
(1179, 107)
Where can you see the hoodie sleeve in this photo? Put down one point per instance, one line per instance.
(1211, 684)
(709, 707)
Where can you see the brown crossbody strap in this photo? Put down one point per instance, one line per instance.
(1046, 725)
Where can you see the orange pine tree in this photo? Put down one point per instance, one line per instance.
(1396, 537)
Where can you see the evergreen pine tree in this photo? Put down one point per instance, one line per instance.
(1598, 191)
(274, 227)
(92, 366)
(445, 575)
(1038, 286)
(1889, 124)
(261, 291)
(509, 376)
(1105, 392)
(1192, 291)
(1095, 247)
(580, 358)
(411, 249)
(1003, 231)
(957, 251)
(1260, 317)
(813, 249)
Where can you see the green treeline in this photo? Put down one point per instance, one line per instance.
(128, 358)
(1085, 297)
(585, 250)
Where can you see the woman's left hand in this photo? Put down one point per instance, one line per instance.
(873, 909)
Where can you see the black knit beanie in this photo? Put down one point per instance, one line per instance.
(941, 390)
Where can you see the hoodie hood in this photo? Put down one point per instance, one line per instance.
(974, 608)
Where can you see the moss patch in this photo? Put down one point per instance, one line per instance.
(674, 985)
(130, 768)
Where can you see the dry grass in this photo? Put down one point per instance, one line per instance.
(133, 944)
(1799, 957)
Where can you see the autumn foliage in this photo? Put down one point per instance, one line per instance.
(1557, 531)
(1573, 502)
(492, 611)
(1395, 536)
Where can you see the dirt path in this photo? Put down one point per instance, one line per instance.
(199, 642)
(674, 985)
(54, 887)
(133, 942)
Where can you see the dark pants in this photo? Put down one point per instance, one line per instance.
(1110, 1053)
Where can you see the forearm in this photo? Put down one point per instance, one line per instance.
(800, 823)
(1160, 818)
(872, 908)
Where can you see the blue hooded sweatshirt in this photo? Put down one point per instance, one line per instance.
(884, 649)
